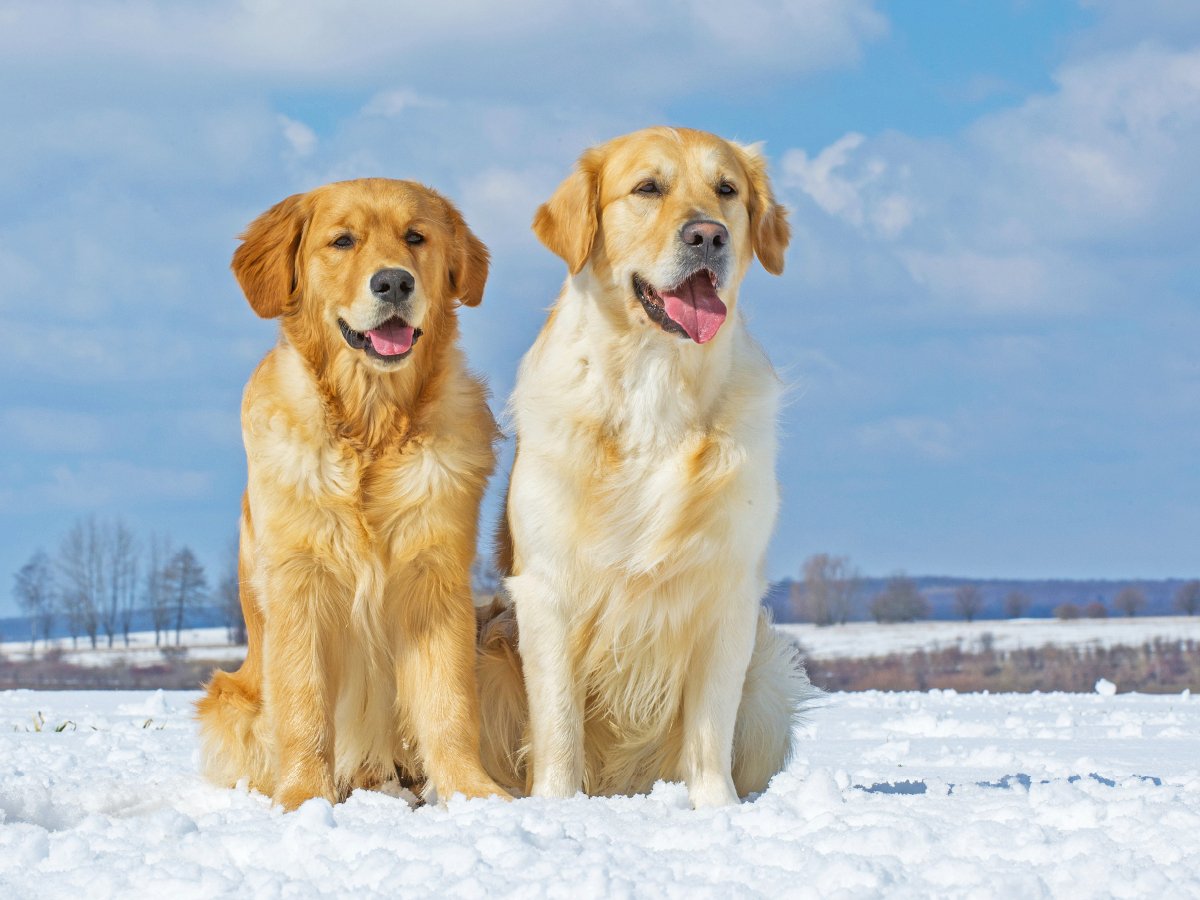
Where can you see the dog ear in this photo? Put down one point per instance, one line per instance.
(265, 263)
(468, 269)
(566, 223)
(769, 227)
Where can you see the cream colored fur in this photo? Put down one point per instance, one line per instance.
(641, 501)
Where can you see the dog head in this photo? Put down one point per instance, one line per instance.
(369, 269)
(668, 220)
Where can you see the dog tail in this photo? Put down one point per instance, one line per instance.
(232, 745)
(775, 695)
(503, 709)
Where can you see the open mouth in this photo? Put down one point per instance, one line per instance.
(690, 308)
(390, 341)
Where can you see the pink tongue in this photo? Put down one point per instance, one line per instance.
(696, 307)
(391, 338)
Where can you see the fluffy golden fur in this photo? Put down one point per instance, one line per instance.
(643, 493)
(359, 519)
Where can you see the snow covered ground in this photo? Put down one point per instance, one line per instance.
(861, 639)
(856, 639)
(891, 795)
(201, 643)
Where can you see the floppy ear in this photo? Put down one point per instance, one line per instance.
(567, 222)
(265, 263)
(769, 227)
(468, 270)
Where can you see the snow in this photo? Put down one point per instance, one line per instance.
(891, 795)
(856, 640)
(201, 643)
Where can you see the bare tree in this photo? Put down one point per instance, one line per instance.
(1187, 598)
(185, 586)
(1096, 610)
(1067, 611)
(829, 591)
(814, 590)
(1015, 604)
(229, 598)
(900, 601)
(81, 563)
(1129, 600)
(120, 580)
(129, 597)
(34, 591)
(844, 583)
(157, 597)
(968, 601)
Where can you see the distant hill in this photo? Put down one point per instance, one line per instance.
(1045, 595)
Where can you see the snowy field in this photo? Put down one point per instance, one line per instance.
(856, 640)
(201, 643)
(891, 795)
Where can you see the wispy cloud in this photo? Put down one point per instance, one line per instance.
(924, 435)
(394, 102)
(300, 136)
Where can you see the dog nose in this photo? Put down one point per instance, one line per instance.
(393, 285)
(705, 235)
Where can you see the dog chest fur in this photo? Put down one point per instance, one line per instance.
(653, 480)
(350, 508)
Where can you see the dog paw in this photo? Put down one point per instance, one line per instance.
(482, 788)
(291, 795)
(712, 792)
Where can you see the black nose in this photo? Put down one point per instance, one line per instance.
(704, 235)
(393, 285)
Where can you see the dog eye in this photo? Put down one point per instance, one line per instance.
(344, 241)
(647, 187)
(727, 188)
(414, 237)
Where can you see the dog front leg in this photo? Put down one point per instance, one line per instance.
(301, 684)
(435, 676)
(555, 697)
(711, 696)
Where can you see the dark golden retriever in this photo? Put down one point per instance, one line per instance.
(369, 446)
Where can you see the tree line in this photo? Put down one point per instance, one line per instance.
(102, 576)
(830, 591)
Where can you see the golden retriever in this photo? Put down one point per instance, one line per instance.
(369, 446)
(643, 491)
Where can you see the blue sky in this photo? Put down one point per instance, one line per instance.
(990, 312)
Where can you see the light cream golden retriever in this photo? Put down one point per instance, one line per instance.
(369, 446)
(643, 491)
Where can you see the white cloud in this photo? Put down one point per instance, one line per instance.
(848, 198)
(97, 484)
(500, 203)
(392, 103)
(815, 177)
(52, 430)
(925, 436)
(466, 43)
(299, 135)
(988, 283)
(1010, 215)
